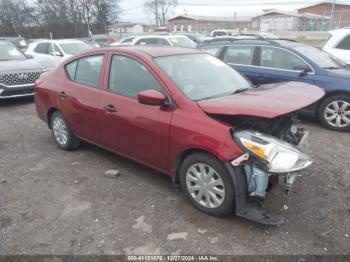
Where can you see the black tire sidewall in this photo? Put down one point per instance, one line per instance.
(72, 141)
(227, 206)
(323, 106)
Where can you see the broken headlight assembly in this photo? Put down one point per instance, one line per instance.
(276, 155)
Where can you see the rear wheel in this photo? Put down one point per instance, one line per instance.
(334, 112)
(62, 134)
(207, 184)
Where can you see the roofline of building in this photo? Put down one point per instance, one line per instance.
(326, 2)
(213, 18)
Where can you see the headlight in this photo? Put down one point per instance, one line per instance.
(279, 156)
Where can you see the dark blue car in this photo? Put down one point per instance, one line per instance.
(273, 61)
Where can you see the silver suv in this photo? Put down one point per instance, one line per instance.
(17, 72)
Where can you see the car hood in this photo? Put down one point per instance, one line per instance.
(19, 65)
(267, 101)
(342, 73)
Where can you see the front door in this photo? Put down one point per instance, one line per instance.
(138, 131)
(277, 65)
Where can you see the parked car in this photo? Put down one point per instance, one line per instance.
(339, 44)
(124, 41)
(261, 35)
(50, 53)
(165, 40)
(217, 33)
(184, 113)
(275, 61)
(195, 37)
(225, 39)
(17, 72)
(18, 42)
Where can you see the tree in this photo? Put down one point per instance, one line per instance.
(16, 17)
(160, 9)
(64, 18)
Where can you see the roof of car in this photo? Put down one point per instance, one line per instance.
(160, 36)
(276, 42)
(157, 51)
(57, 40)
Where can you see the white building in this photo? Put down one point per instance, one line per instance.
(127, 28)
(279, 21)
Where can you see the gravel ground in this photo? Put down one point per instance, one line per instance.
(56, 202)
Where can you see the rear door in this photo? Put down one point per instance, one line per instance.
(80, 97)
(277, 65)
(242, 58)
(138, 131)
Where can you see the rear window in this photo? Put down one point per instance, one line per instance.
(344, 44)
(213, 50)
(86, 70)
(182, 42)
(239, 55)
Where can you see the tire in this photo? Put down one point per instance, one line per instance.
(223, 205)
(334, 112)
(62, 134)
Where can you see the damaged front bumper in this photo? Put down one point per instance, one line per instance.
(251, 182)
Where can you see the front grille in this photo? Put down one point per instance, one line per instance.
(19, 79)
(16, 92)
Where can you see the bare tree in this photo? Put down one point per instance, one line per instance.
(16, 17)
(160, 9)
(64, 18)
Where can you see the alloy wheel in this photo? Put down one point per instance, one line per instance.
(337, 113)
(205, 185)
(60, 131)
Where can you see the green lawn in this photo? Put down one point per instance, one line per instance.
(314, 42)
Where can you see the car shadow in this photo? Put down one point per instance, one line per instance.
(18, 101)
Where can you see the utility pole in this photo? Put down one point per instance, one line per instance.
(157, 18)
(332, 15)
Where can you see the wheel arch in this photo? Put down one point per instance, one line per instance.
(49, 115)
(181, 157)
(330, 94)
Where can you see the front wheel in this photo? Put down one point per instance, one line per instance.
(62, 134)
(334, 112)
(207, 184)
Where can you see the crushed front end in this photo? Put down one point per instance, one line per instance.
(272, 152)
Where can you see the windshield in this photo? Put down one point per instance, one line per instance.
(320, 57)
(73, 48)
(202, 76)
(8, 52)
(182, 41)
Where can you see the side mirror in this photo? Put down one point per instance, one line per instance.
(303, 68)
(56, 53)
(151, 97)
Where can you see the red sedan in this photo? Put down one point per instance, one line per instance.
(186, 114)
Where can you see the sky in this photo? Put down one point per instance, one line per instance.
(134, 12)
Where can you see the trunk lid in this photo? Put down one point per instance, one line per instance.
(267, 101)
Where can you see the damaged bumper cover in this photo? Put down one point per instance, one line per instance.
(243, 173)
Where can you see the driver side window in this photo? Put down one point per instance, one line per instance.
(278, 58)
(129, 77)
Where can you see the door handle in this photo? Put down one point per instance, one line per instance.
(62, 94)
(110, 108)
